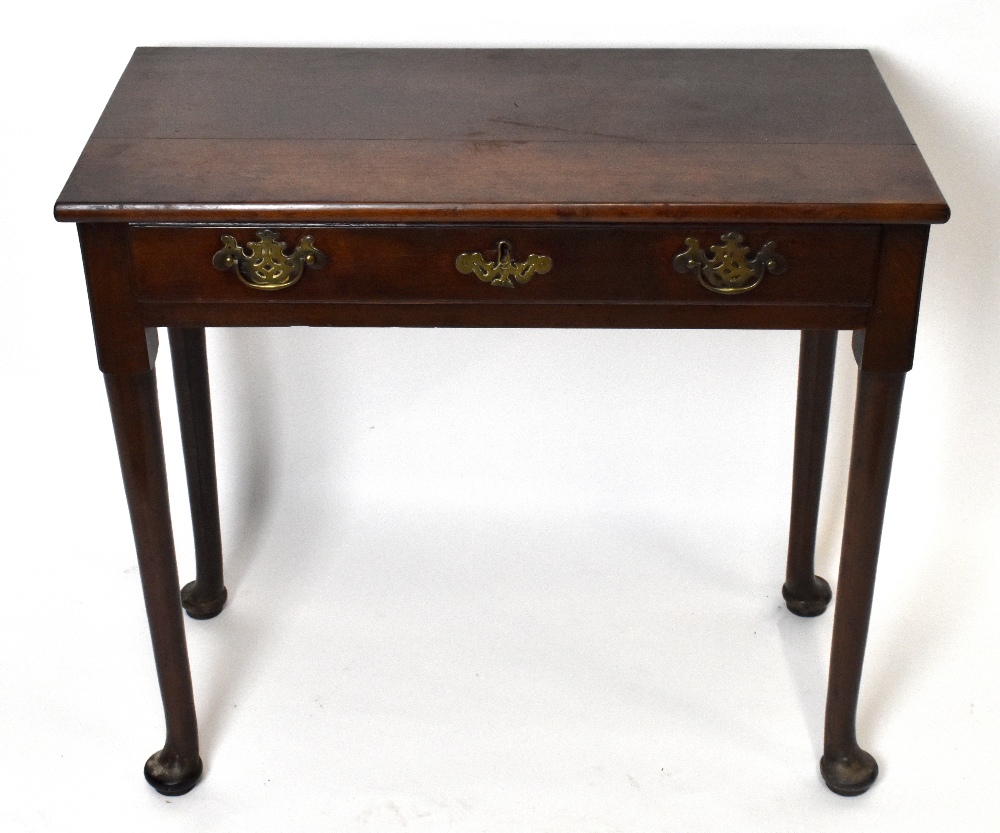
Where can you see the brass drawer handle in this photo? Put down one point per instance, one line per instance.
(728, 270)
(268, 266)
(501, 271)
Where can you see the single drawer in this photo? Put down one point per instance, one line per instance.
(498, 264)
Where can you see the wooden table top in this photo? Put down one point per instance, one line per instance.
(408, 135)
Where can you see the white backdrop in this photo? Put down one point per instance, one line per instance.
(499, 580)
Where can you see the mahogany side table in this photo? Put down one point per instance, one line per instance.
(502, 188)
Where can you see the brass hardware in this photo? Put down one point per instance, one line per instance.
(503, 269)
(268, 266)
(728, 270)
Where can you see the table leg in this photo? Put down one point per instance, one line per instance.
(806, 594)
(846, 768)
(204, 597)
(135, 413)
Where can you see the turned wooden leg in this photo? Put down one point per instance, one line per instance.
(846, 768)
(204, 597)
(806, 594)
(135, 412)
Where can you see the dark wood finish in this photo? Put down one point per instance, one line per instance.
(886, 345)
(515, 95)
(396, 161)
(513, 314)
(848, 769)
(175, 768)
(805, 593)
(124, 345)
(210, 135)
(204, 597)
(482, 181)
(591, 264)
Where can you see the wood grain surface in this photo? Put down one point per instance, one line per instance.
(397, 135)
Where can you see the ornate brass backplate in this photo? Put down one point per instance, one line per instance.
(729, 270)
(268, 265)
(504, 270)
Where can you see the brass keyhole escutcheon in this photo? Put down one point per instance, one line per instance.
(503, 271)
(267, 265)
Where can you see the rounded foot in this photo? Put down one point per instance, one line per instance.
(811, 602)
(171, 775)
(850, 775)
(197, 606)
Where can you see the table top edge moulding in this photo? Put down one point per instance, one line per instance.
(592, 188)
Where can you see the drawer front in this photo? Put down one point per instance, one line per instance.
(572, 264)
